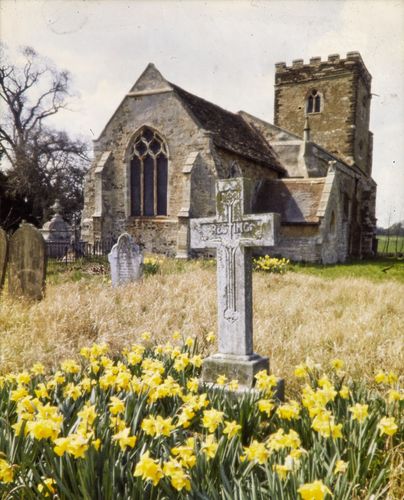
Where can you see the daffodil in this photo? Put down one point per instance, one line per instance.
(148, 469)
(289, 411)
(387, 425)
(209, 446)
(47, 487)
(337, 364)
(281, 470)
(124, 439)
(185, 453)
(211, 337)
(146, 336)
(316, 490)
(6, 472)
(359, 412)
(300, 371)
(231, 429)
(178, 477)
(116, 406)
(340, 467)
(256, 452)
(266, 406)
(212, 419)
(38, 369)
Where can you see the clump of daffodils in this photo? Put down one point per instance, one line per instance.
(271, 264)
(145, 417)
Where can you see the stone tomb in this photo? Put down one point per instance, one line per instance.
(233, 232)
(126, 261)
(3, 255)
(27, 263)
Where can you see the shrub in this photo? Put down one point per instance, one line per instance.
(140, 426)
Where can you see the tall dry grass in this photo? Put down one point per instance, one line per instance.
(295, 317)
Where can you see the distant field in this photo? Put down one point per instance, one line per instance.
(391, 244)
(381, 269)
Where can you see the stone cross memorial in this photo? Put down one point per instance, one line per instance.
(3, 255)
(233, 232)
(27, 263)
(126, 261)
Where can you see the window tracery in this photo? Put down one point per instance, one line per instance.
(148, 174)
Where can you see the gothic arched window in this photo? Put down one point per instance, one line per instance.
(313, 102)
(148, 174)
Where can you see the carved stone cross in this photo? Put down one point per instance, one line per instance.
(233, 232)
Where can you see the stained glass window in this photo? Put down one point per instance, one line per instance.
(148, 174)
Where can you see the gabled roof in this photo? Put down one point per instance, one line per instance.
(297, 200)
(229, 130)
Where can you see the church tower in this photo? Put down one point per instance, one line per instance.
(331, 97)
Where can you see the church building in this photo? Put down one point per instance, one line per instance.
(158, 157)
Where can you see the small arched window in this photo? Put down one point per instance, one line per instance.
(148, 174)
(313, 104)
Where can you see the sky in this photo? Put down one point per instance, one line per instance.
(223, 51)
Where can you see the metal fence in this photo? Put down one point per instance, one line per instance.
(71, 251)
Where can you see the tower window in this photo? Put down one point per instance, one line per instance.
(313, 104)
(148, 175)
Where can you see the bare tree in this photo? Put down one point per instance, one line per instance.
(43, 163)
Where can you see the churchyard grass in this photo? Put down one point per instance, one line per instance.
(136, 425)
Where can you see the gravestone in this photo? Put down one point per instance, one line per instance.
(233, 232)
(126, 261)
(27, 263)
(3, 256)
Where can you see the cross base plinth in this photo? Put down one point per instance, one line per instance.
(241, 368)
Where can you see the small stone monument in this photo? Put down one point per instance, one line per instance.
(233, 232)
(126, 261)
(3, 256)
(27, 263)
(57, 233)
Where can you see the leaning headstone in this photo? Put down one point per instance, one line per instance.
(233, 232)
(126, 261)
(3, 256)
(27, 263)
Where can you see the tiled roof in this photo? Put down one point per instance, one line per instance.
(297, 200)
(229, 130)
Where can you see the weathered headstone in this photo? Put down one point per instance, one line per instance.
(27, 263)
(126, 261)
(233, 232)
(3, 256)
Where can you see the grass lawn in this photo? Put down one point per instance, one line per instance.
(379, 269)
(391, 244)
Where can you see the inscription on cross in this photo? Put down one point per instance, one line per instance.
(233, 232)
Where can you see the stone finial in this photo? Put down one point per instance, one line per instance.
(56, 207)
(332, 165)
(306, 130)
(333, 58)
